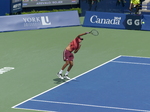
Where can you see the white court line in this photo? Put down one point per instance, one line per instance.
(65, 82)
(6, 69)
(131, 62)
(135, 56)
(96, 106)
(36, 110)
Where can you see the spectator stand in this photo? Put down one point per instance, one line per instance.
(145, 7)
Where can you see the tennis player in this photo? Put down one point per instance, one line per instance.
(68, 56)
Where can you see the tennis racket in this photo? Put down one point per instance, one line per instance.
(94, 32)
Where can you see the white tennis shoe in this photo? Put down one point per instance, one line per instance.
(66, 77)
(60, 76)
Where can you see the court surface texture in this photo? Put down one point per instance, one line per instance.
(29, 62)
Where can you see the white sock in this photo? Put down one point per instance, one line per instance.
(66, 73)
(60, 72)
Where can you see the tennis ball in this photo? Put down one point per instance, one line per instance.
(143, 22)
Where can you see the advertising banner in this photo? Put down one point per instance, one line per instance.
(133, 22)
(39, 21)
(104, 20)
(16, 6)
(117, 21)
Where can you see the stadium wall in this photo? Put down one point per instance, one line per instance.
(116, 21)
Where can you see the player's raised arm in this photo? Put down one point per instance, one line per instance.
(83, 34)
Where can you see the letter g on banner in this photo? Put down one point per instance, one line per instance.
(133, 22)
(137, 22)
(129, 21)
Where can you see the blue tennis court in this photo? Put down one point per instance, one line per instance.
(119, 85)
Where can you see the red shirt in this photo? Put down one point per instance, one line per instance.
(74, 45)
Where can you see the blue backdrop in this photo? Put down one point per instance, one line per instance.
(10, 6)
(104, 6)
(4, 7)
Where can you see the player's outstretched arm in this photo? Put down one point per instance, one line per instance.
(83, 34)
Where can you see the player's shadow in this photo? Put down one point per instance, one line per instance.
(58, 80)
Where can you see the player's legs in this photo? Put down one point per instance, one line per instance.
(65, 65)
(70, 65)
(69, 68)
(59, 74)
(68, 58)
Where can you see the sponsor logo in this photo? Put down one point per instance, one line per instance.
(35, 21)
(45, 20)
(97, 20)
(17, 6)
(136, 22)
